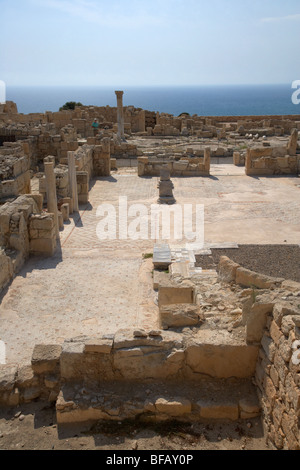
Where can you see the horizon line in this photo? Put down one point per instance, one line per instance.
(116, 87)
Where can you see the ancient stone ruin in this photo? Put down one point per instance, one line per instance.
(204, 344)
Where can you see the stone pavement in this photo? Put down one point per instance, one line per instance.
(95, 286)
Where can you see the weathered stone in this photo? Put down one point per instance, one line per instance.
(227, 269)
(71, 360)
(209, 354)
(250, 406)
(170, 295)
(270, 390)
(269, 347)
(45, 358)
(174, 408)
(26, 378)
(280, 367)
(293, 141)
(175, 316)
(290, 428)
(98, 345)
(8, 376)
(218, 411)
(248, 278)
(293, 392)
(275, 333)
(256, 321)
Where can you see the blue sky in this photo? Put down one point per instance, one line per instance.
(144, 43)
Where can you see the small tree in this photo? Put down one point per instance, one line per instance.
(70, 105)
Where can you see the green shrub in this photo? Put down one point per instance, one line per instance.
(70, 105)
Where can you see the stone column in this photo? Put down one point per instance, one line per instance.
(51, 191)
(293, 142)
(207, 156)
(73, 180)
(120, 115)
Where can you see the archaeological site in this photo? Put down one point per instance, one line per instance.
(150, 269)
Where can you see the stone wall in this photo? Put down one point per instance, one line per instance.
(101, 158)
(186, 166)
(84, 170)
(274, 160)
(128, 356)
(14, 171)
(81, 374)
(24, 230)
(138, 120)
(271, 314)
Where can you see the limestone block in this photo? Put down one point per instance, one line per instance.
(168, 295)
(259, 164)
(71, 360)
(38, 199)
(268, 347)
(43, 246)
(45, 358)
(83, 198)
(42, 222)
(113, 163)
(9, 188)
(65, 212)
(213, 356)
(4, 221)
(26, 378)
(256, 321)
(278, 152)
(68, 200)
(227, 269)
(181, 165)
(283, 162)
(133, 363)
(60, 220)
(176, 316)
(13, 398)
(259, 152)
(275, 333)
(176, 407)
(293, 392)
(280, 367)
(270, 391)
(236, 158)
(98, 345)
(6, 271)
(290, 429)
(249, 407)
(248, 278)
(218, 411)
(8, 376)
(159, 277)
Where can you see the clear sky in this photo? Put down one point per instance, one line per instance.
(149, 42)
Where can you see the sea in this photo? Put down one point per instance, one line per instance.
(229, 100)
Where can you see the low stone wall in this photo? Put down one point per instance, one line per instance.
(274, 160)
(101, 158)
(23, 231)
(14, 171)
(271, 314)
(131, 356)
(183, 167)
